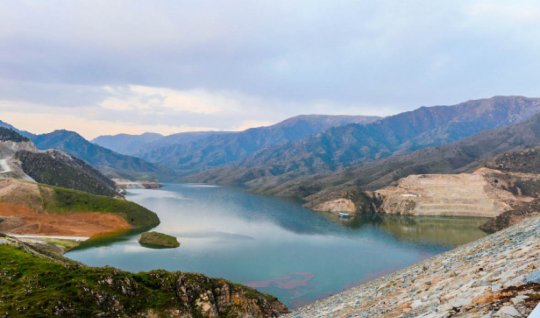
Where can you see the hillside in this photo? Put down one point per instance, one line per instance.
(36, 283)
(461, 156)
(126, 144)
(139, 145)
(20, 159)
(108, 162)
(190, 153)
(352, 145)
(8, 134)
(59, 169)
(30, 208)
(20, 132)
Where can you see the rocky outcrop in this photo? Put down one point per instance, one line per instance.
(491, 277)
(465, 194)
(336, 206)
(512, 217)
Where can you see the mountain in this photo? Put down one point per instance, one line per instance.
(107, 161)
(20, 132)
(126, 144)
(56, 168)
(354, 144)
(197, 152)
(466, 155)
(20, 159)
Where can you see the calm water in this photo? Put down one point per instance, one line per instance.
(274, 245)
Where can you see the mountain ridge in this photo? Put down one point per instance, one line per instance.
(107, 161)
(344, 146)
(221, 148)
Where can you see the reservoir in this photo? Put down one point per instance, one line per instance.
(275, 245)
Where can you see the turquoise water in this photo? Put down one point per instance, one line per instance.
(275, 245)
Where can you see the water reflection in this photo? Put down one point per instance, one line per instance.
(275, 245)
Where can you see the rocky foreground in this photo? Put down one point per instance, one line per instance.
(497, 276)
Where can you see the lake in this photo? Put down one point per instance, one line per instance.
(275, 245)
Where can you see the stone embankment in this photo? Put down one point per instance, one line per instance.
(497, 276)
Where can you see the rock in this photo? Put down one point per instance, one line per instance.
(336, 206)
(458, 287)
(158, 240)
(466, 194)
(507, 311)
(533, 278)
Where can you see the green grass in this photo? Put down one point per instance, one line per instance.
(61, 200)
(158, 240)
(33, 286)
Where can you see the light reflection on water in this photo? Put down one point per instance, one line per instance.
(275, 245)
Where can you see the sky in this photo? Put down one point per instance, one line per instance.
(113, 66)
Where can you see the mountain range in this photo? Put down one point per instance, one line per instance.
(110, 163)
(356, 144)
(462, 156)
(300, 156)
(188, 153)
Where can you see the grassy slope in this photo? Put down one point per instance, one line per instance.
(33, 286)
(61, 200)
(158, 240)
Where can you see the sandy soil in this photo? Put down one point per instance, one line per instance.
(19, 219)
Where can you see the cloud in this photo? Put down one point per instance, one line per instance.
(220, 64)
(154, 99)
(136, 109)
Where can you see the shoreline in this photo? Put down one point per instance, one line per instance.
(466, 281)
(55, 237)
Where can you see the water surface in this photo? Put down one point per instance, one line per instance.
(275, 245)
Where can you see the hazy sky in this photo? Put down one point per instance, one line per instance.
(103, 67)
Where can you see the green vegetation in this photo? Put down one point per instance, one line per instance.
(7, 134)
(61, 200)
(35, 285)
(158, 240)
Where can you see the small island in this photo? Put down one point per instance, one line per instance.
(158, 240)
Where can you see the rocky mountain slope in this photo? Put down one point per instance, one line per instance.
(56, 168)
(351, 183)
(37, 283)
(108, 162)
(20, 159)
(354, 144)
(497, 276)
(194, 152)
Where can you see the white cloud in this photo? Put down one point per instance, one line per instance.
(155, 99)
(229, 65)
